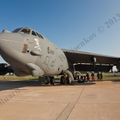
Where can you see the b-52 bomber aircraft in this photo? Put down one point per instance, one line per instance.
(30, 53)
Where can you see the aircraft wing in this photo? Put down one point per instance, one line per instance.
(86, 60)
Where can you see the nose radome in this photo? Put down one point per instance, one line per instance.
(3, 36)
(5, 39)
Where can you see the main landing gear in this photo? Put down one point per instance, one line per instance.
(66, 78)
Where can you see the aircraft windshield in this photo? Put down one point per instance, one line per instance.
(28, 31)
(40, 36)
(23, 30)
(17, 30)
(37, 34)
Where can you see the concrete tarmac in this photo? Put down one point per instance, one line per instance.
(29, 101)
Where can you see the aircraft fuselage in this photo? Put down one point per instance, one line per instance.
(28, 52)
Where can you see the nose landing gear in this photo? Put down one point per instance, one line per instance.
(67, 77)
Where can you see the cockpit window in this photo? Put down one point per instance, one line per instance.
(40, 36)
(34, 33)
(26, 31)
(17, 30)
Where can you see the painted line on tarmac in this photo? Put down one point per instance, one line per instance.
(64, 115)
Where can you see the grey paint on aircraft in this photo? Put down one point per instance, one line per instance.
(30, 53)
(26, 52)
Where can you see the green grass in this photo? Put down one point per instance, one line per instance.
(106, 76)
(111, 76)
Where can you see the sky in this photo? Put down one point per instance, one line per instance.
(85, 25)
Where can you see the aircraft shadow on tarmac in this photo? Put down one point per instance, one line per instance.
(116, 81)
(6, 85)
(9, 85)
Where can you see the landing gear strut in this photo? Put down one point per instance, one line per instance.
(67, 77)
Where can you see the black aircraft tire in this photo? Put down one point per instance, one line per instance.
(62, 79)
(50, 80)
(68, 80)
